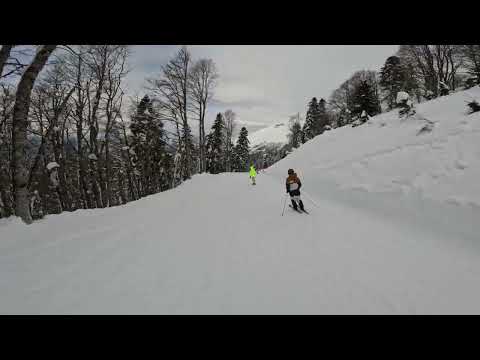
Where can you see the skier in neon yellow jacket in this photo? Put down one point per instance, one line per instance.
(253, 174)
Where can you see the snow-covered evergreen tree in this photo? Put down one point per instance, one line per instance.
(188, 153)
(316, 120)
(242, 151)
(405, 104)
(311, 128)
(216, 146)
(147, 145)
(393, 78)
(365, 99)
(323, 116)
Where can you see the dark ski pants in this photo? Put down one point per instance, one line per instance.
(295, 197)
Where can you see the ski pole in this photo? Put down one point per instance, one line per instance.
(309, 198)
(284, 203)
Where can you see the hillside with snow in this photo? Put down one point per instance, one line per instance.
(393, 229)
(435, 154)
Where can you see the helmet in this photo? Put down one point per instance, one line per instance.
(290, 172)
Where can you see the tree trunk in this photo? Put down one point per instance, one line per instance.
(20, 125)
(108, 174)
(6, 206)
(4, 55)
(82, 172)
(57, 146)
(131, 182)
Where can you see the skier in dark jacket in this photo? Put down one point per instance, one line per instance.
(293, 185)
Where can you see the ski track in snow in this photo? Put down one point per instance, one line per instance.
(217, 245)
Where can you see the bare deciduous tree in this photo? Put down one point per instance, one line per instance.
(433, 64)
(20, 125)
(471, 56)
(202, 80)
(172, 92)
(4, 55)
(7, 100)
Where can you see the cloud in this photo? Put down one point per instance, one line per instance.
(265, 84)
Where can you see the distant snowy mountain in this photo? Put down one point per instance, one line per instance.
(276, 134)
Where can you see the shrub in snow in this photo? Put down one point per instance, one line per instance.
(405, 104)
(429, 95)
(402, 96)
(327, 127)
(471, 82)
(52, 165)
(357, 123)
(474, 106)
(444, 88)
(364, 117)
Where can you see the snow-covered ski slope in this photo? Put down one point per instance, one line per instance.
(218, 245)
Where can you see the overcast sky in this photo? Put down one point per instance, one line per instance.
(265, 84)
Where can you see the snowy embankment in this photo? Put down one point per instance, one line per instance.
(218, 245)
(392, 155)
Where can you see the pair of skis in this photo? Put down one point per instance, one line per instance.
(298, 210)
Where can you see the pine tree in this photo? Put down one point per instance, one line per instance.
(392, 80)
(215, 147)
(311, 128)
(242, 151)
(147, 145)
(316, 120)
(395, 77)
(365, 99)
(323, 117)
(188, 153)
(343, 117)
